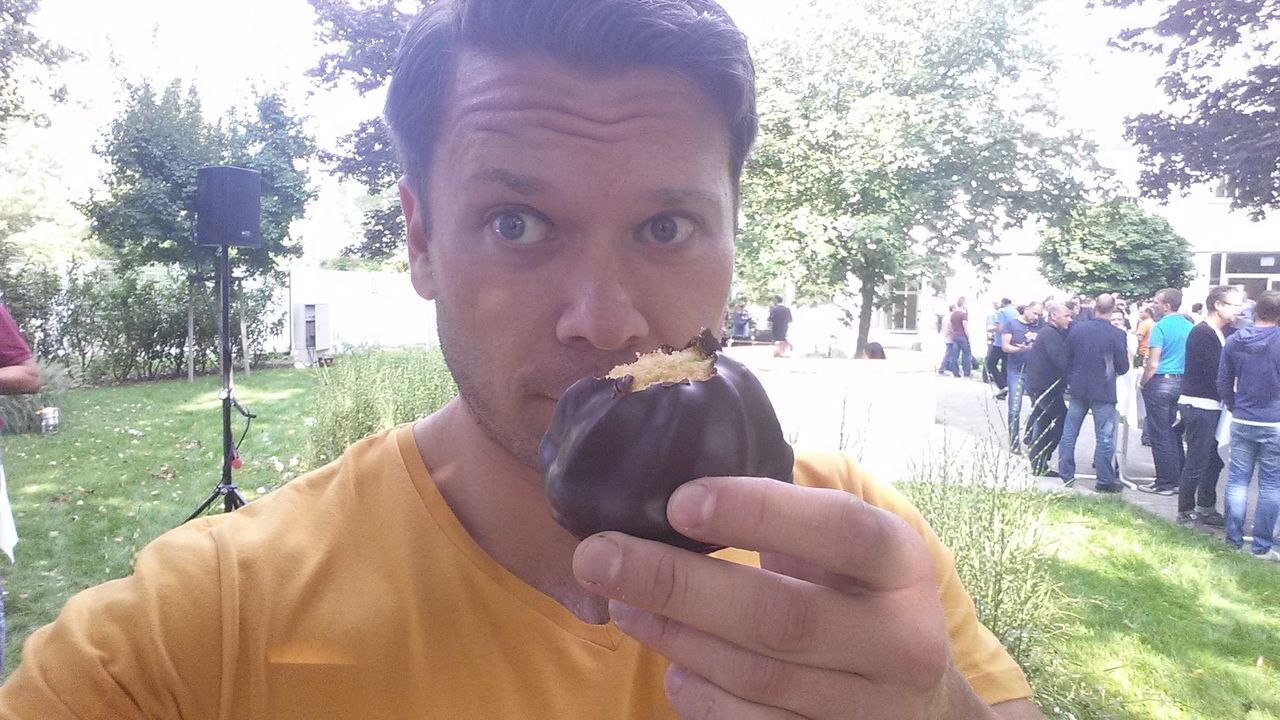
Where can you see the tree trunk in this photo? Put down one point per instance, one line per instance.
(868, 293)
(191, 329)
(244, 338)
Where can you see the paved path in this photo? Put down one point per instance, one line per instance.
(822, 403)
(971, 406)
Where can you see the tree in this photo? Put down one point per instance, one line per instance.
(895, 136)
(154, 149)
(1222, 80)
(19, 47)
(365, 38)
(1115, 247)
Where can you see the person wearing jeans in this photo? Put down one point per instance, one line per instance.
(1094, 354)
(961, 353)
(995, 361)
(1201, 407)
(1017, 338)
(1254, 446)
(1047, 387)
(1104, 449)
(1161, 395)
(1249, 383)
(1161, 385)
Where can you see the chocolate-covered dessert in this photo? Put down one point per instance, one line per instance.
(618, 446)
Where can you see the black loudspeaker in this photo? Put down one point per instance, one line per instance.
(228, 206)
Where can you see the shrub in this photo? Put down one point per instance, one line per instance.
(368, 391)
(984, 507)
(19, 411)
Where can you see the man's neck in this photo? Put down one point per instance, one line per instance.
(1216, 321)
(501, 504)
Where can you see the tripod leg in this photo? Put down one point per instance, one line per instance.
(204, 505)
(232, 499)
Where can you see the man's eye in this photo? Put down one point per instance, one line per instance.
(668, 229)
(519, 227)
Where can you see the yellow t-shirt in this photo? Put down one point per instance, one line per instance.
(354, 592)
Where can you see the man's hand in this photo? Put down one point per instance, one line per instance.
(843, 618)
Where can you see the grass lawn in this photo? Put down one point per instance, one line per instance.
(127, 464)
(1167, 623)
(1171, 623)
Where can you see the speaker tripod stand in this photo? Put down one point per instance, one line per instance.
(226, 488)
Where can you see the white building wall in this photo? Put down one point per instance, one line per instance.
(364, 309)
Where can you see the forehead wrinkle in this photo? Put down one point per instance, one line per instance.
(571, 123)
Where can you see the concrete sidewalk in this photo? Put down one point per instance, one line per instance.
(970, 405)
(898, 416)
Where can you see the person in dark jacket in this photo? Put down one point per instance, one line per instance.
(1249, 383)
(1096, 353)
(1047, 387)
(1200, 407)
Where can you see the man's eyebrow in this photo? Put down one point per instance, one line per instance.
(674, 196)
(522, 184)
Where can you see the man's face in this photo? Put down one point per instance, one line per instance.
(1231, 306)
(1117, 319)
(1031, 313)
(1060, 318)
(573, 222)
(1159, 308)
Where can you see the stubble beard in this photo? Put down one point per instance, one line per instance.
(469, 374)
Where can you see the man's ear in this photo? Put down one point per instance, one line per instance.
(421, 272)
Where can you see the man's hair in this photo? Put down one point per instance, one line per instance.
(1005, 302)
(1170, 297)
(1267, 308)
(695, 38)
(1104, 304)
(1197, 307)
(1055, 307)
(777, 299)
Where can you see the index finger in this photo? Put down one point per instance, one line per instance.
(831, 529)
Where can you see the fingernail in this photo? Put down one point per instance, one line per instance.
(622, 614)
(598, 560)
(691, 505)
(674, 679)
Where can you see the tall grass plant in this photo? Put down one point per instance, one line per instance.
(371, 390)
(983, 505)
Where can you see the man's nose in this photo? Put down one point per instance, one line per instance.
(601, 302)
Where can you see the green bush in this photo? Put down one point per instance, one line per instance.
(983, 506)
(369, 391)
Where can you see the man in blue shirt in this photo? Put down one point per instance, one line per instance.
(1017, 337)
(1162, 385)
(995, 363)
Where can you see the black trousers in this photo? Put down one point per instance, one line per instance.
(1198, 485)
(1048, 415)
(996, 363)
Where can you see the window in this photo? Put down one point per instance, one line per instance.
(903, 311)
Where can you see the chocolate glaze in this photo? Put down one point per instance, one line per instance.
(611, 459)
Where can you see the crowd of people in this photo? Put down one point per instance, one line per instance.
(1208, 380)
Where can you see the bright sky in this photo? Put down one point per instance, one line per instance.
(232, 46)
